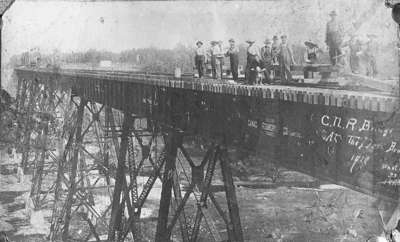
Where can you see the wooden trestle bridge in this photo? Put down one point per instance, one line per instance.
(141, 120)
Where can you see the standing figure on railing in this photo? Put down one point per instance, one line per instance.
(200, 58)
(286, 60)
(233, 53)
(334, 38)
(253, 60)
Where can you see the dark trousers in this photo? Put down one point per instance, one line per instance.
(216, 67)
(267, 65)
(334, 52)
(251, 70)
(234, 69)
(372, 69)
(200, 62)
(286, 75)
(267, 75)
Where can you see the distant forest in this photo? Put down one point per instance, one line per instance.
(146, 59)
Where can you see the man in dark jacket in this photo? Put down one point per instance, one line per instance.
(233, 53)
(334, 38)
(267, 59)
(253, 60)
(286, 60)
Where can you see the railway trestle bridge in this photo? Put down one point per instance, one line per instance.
(90, 134)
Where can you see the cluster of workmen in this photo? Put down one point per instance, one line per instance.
(275, 58)
(273, 53)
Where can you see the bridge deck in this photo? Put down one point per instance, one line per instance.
(365, 100)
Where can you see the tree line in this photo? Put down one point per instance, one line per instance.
(151, 59)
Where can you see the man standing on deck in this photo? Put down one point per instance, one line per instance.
(286, 60)
(200, 58)
(370, 52)
(267, 59)
(233, 53)
(334, 38)
(275, 55)
(212, 59)
(355, 55)
(217, 59)
(253, 60)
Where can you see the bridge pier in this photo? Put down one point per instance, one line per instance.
(73, 197)
(125, 153)
(74, 165)
(173, 141)
(201, 188)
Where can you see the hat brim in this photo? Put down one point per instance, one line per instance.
(310, 44)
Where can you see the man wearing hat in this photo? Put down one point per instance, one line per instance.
(276, 46)
(370, 52)
(286, 60)
(334, 38)
(200, 58)
(217, 59)
(266, 60)
(355, 54)
(253, 60)
(312, 50)
(233, 53)
(310, 57)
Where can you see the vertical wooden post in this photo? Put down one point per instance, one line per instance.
(172, 144)
(33, 92)
(1, 50)
(120, 176)
(235, 232)
(37, 179)
(56, 220)
(398, 57)
(74, 166)
(182, 216)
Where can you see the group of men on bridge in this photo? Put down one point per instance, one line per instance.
(276, 58)
(259, 60)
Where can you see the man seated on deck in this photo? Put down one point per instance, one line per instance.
(310, 57)
(253, 60)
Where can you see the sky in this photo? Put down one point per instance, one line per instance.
(116, 26)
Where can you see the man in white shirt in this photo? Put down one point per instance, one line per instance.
(217, 59)
(200, 58)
